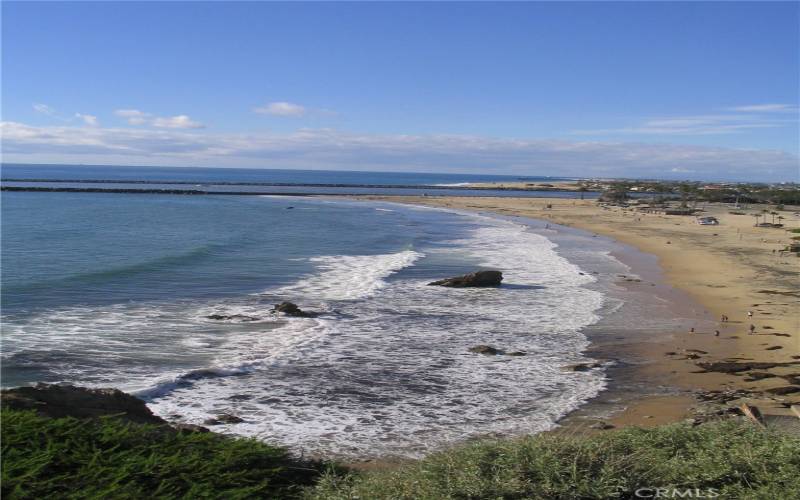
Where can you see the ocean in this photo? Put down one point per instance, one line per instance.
(264, 181)
(117, 289)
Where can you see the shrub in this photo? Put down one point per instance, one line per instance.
(106, 458)
(735, 459)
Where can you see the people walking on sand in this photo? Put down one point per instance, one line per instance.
(752, 329)
(691, 330)
(723, 318)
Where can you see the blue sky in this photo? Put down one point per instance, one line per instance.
(690, 90)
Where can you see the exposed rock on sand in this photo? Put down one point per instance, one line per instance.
(291, 309)
(70, 401)
(476, 279)
(781, 391)
(730, 367)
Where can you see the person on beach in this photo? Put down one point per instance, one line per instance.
(691, 330)
(716, 333)
(749, 314)
(752, 329)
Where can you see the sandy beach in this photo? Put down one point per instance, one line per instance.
(730, 269)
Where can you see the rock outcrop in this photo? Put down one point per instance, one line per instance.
(584, 367)
(223, 418)
(493, 351)
(232, 317)
(476, 279)
(57, 401)
(291, 309)
(485, 349)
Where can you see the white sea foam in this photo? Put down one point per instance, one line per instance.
(393, 374)
(348, 277)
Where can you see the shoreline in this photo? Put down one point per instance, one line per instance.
(696, 263)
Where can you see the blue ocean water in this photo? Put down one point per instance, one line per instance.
(255, 181)
(210, 175)
(117, 290)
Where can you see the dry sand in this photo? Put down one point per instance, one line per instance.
(727, 269)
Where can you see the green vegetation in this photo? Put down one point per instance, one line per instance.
(734, 459)
(105, 458)
(794, 230)
(687, 192)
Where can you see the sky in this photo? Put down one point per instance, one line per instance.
(600, 89)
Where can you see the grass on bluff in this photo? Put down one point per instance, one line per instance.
(735, 460)
(68, 458)
(109, 459)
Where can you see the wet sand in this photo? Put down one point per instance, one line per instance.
(728, 269)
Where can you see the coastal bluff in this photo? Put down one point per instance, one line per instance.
(56, 401)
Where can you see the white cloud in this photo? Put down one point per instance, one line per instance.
(43, 109)
(282, 108)
(136, 117)
(766, 108)
(133, 116)
(692, 125)
(89, 120)
(331, 149)
(180, 121)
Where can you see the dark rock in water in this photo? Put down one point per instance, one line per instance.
(601, 426)
(781, 391)
(190, 428)
(240, 397)
(485, 349)
(584, 367)
(227, 418)
(57, 401)
(476, 279)
(223, 418)
(493, 351)
(291, 309)
(753, 376)
(773, 348)
(226, 317)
